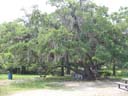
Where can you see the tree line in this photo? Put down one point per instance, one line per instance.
(79, 37)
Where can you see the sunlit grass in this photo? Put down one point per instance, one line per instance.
(8, 89)
(49, 82)
(27, 82)
(17, 76)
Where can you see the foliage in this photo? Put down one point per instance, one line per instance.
(79, 36)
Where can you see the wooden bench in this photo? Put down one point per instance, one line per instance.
(122, 84)
(125, 80)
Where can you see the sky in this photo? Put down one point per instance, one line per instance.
(11, 9)
(113, 5)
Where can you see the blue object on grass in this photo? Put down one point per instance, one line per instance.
(9, 75)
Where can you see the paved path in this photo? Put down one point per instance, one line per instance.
(79, 89)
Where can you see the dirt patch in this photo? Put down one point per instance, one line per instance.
(97, 88)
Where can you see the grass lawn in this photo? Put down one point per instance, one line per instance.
(8, 86)
(17, 76)
(27, 82)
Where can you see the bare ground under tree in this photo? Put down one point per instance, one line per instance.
(97, 88)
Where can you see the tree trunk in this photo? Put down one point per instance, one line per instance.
(62, 70)
(114, 70)
(67, 63)
(91, 70)
(62, 66)
(89, 74)
(68, 69)
(23, 71)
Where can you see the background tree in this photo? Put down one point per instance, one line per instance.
(78, 37)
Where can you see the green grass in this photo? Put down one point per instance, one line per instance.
(27, 82)
(37, 83)
(8, 88)
(122, 73)
(17, 76)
